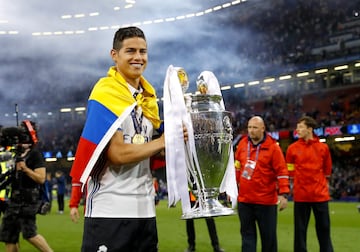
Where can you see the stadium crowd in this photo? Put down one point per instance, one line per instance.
(281, 111)
(297, 34)
(282, 43)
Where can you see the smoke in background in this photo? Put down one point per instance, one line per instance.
(47, 72)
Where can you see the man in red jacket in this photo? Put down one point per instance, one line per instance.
(263, 183)
(309, 164)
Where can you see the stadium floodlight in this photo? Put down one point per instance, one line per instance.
(320, 71)
(252, 83)
(343, 67)
(80, 15)
(239, 85)
(226, 87)
(344, 139)
(285, 77)
(267, 80)
(80, 109)
(303, 74)
(65, 110)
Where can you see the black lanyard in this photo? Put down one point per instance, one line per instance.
(137, 124)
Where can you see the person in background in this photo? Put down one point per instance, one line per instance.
(190, 231)
(263, 183)
(60, 190)
(24, 202)
(310, 165)
(50, 184)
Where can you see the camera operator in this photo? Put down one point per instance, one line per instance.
(7, 165)
(23, 205)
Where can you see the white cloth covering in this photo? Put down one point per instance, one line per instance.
(175, 116)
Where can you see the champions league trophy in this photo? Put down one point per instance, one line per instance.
(213, 147)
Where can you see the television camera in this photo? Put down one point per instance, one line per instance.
(11, 144)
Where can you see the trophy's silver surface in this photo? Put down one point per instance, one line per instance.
(213, 142)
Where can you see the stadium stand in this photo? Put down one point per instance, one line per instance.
(307, 36)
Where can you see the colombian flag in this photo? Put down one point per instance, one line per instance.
(110, 102)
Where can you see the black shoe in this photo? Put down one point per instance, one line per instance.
(218, 249)
(191, 248)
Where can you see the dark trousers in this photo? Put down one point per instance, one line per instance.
(190, 229)
(60, 200)
(266, 218)
(302, 211)
(120, 235)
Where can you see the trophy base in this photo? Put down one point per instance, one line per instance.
(213, 208)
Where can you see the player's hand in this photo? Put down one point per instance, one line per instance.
(74, 214)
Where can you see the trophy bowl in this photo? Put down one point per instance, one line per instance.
(213, 142)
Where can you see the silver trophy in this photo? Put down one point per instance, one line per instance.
(213, 142)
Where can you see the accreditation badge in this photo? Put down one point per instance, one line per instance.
(249, 169)
(138, 139)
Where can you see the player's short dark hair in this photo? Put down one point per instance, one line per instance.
(125, 33)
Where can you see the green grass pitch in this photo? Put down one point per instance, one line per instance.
(65, 236)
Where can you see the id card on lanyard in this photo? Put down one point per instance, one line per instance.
(250, 164)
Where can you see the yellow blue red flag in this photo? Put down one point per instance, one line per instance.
(109, 103)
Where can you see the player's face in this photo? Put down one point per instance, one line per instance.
(131, 59)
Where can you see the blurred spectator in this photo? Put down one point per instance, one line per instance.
(50, 184)
(60, 189)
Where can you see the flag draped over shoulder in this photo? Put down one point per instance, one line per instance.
(110, 102)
